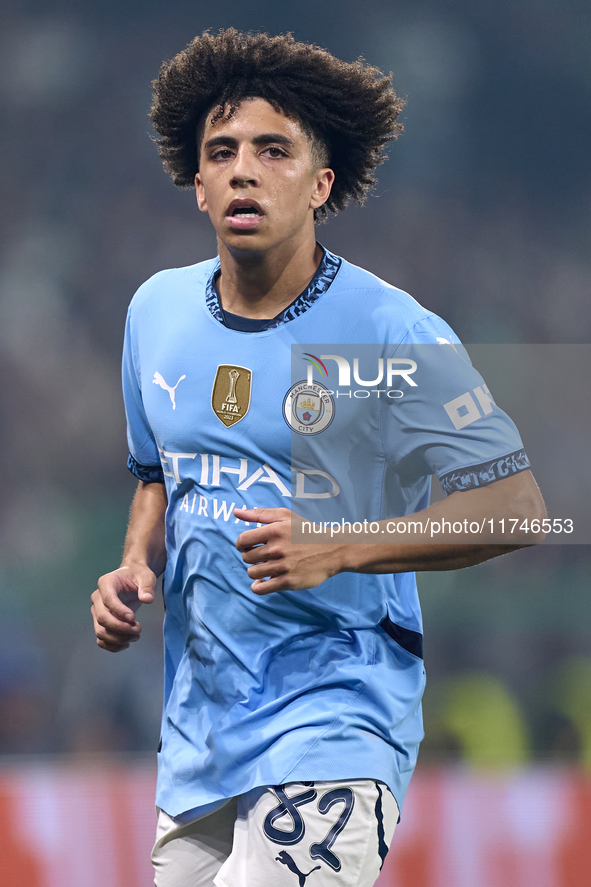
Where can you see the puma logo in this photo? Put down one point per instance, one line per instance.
(158, 380)
(286, 859)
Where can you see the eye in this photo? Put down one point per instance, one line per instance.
(221, 154)
(275, 152)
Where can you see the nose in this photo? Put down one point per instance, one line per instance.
(244, 167)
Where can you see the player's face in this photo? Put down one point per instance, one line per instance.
(257, 178)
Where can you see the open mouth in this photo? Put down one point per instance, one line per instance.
(246, 212)
(244, 215)
(244, 207)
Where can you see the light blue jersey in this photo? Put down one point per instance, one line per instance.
(322, 684)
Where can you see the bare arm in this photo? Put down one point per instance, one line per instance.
(515, 499)
(277, 564)
(120, 593)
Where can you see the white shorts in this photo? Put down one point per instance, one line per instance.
(336, 834)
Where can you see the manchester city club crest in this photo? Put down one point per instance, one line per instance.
(230, 398)
(308, 407)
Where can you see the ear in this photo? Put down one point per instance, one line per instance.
(200, 194)
(323, 180)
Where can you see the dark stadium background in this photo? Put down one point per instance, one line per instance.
(482, 213)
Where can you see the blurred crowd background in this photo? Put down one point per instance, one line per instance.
(482, 213)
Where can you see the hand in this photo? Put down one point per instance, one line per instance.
(276, 563)
(114, 604)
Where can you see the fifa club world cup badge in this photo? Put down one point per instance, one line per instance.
(230, 397)
(308, 407)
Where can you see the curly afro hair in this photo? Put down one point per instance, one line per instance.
(348, 109)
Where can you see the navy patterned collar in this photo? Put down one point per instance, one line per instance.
(325, 274)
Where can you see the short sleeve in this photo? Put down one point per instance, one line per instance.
(441, 417)
(144, 459)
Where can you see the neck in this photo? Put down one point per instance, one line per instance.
(262, 284)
